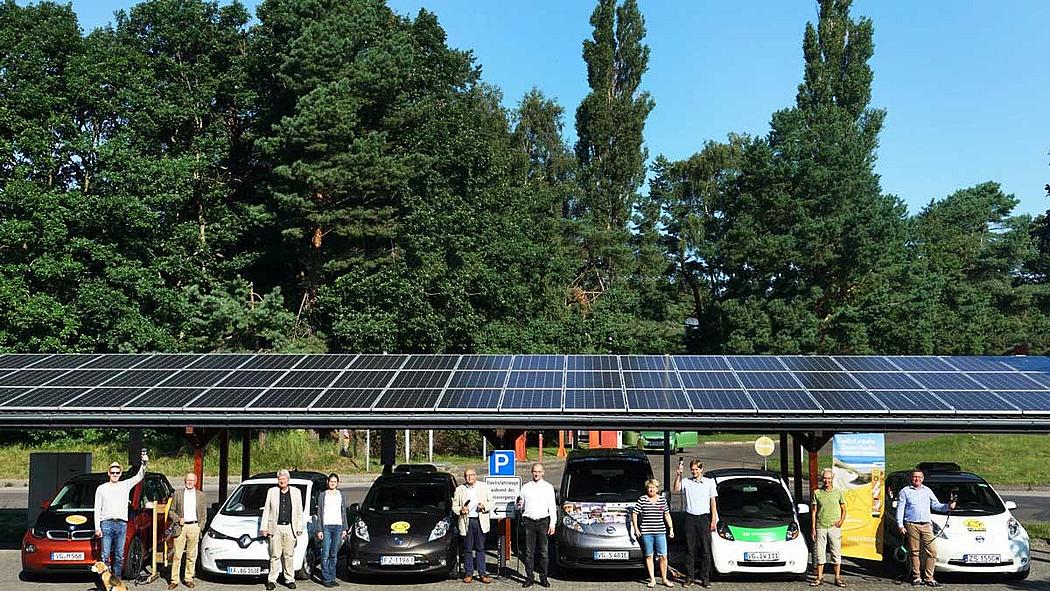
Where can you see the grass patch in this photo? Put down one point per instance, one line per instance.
(1038, 529)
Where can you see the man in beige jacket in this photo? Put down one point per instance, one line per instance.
(189, 509)
(282, 522)
(471, 503)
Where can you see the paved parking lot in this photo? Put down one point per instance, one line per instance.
(856, 575)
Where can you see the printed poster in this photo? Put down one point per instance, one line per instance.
(859, 463)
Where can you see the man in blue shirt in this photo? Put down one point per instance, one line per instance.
(913, 520)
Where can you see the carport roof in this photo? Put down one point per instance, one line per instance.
(527, 391)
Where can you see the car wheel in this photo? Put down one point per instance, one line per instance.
(133, 561)
(309, 562)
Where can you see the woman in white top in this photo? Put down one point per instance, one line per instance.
(331, 510)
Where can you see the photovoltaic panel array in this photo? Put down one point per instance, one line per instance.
(520, 385)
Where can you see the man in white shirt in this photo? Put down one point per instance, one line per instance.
(188, 510)
(471, 503)
(701, 518)
(538, 514)
(111, 513)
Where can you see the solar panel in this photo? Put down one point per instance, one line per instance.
(326, 362)
(471, 398)
(592, 379)
(116, 361)
(106, 398)
(594, 400)
(534, 379)
(225, 398)
(807, 363)
(166, 398)
(714, 380)
(865, 363)
(783, 400)
(484, 362)
(651, 379)
(273, 361)
(167, 362)
(31, 377)
(191, 378)
(944, 381)
(977, 363)
(885, 381)
(431, 362)
(721, 400)
(1022, 363)
(85, 377)
(826, 380)
(223, 361)
(1028, 402)
(285, 399)
(347, 399)
(64, 361)
(378, 362)
(402, 400)
(251, 378)
(141, 377)
(1005, 381)
(418, 379)
(657, 399)
(755, 362)
(700, 363)
(906, 401)
(45, 398)
(593, 362)
(539, 362)
(920, 364)
(847, 401)
(767, 380)
(478, 379)
(1040, 378)
(20, 360)
(307, 379)
(7, 394)
(658, 362)
(367, 379)
(533, 399)
(978, 400)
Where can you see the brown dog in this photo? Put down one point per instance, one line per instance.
(110, 581)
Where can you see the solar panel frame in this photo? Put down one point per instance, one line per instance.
(863, 363)
(592, 363)
(232, 399)
(105, 398)
(651, 379)
(251, 378)
(378, 378)
(725, 400)
(549, 398)
(755, 363)
(85, 377)
(709, 380)
(45, 398)
(644, 400)
(1029, 402)
(346, 399)
(478, 379)
(479, 399)
(168, 361)
(539, 362)
(700, 363)
(784, 400)
(197, 378)
(166, 398)
(32, 377)
(827, 380)
(909, 401)
(1005, 381)
(21, 360)
(407, 399)
(646, 363)
(273, 361)
(310, 378)
(611, 400)
(221, 361)
(848, 402)
(937, 381)
(964, 401)
(918, 364)
(10, 393)
(768, 380)
(606, 380)
(529, 380)
(302, 399)
(64, 361)
(134, 378)
(885, 380)
(436, 362)
(485, 362)
(371, 361)
(1028, 363)
(333, 362)
(418, 379)
(116, 361)
(1039, 378)
(976, 364)
(810, 363)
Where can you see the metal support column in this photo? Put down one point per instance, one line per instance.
(246, 454)
(224, 464)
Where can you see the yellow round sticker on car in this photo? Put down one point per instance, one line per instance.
(76, 520)
(974, 525)
(400, 527)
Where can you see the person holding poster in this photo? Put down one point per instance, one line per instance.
(829, 514)
(913, 520)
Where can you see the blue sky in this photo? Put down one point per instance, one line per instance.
(964, 83)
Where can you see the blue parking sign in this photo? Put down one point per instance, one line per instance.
(501, 462)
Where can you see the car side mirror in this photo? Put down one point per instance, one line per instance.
(803, 509)
(1011, 505)
(45, 505)
(355, 508)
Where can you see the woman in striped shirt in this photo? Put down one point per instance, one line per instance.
(651, 521)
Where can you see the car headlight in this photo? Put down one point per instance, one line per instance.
(571, 523)
(723, 532)
(440, 530)
(1013, 527)
(361, 530)
(37, 532)
(30, 548)
(792, 532)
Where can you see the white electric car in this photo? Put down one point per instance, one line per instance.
(758, 529)
(232, 545)
(979, 536)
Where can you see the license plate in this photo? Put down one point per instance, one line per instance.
(67, 556)
(761, 556)
(981, 558)
(397, 560)
(611, 555)
(244, 570)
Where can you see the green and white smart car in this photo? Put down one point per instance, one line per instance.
(758, 529)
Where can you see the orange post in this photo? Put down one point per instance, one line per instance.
(519, 448)
(541, 447)
(561, 444)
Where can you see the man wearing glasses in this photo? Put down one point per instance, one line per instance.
(111, 513)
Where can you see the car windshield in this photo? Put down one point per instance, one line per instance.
(248, 499)
(971, 498)
(608, 481)
(401, 497)
(76, 496)
(754, 498)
